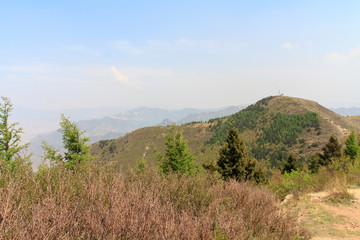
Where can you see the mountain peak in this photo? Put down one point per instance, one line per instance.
(273, 127)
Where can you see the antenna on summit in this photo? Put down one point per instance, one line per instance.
(280, 94)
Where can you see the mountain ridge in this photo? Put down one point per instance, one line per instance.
(117, 125)
(308, 125)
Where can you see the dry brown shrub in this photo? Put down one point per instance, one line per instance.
(338, 189)
(95, 202)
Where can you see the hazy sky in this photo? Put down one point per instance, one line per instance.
(71, 54)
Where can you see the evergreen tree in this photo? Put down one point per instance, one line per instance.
(351, 146)
(331, 151)
(290, 164)
(314, 163)
(177, 157)
(74, 143)
(232, 154)
(251, 170)
(10, 139)
(234, 161)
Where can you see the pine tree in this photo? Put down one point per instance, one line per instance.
(232, 155)
(177, 157)
(74, 143)
(234, 161)
(10, 139)
(290, 164)
(351, 146)
(331, 151)
(314, 163)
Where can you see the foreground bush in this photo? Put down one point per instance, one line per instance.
(94, 202)
(334, 178)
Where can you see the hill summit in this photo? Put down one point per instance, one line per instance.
(272, 128)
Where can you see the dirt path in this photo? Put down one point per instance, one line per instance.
(328, 220)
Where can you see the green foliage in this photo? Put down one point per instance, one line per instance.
(314, 163)
(234, 161)
(299, 181)
(331, 154)
(103, 143)
(354, 172)
(286, 128)
(292, 164)
(10, 139)
(282, 132)
(74, 143)
(275, 133)
(341, 164)
(331, 151)
(231, 154)
(51, 153)
(351, 146)
(141, 166)
(112, 147)
(245, 119)
(177, 157)
(336, 175)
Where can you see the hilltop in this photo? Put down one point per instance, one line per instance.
(272, 128)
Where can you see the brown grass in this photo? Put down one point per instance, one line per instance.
(338, 190)
(95, 202)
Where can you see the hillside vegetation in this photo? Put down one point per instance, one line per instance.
(119, 124)
(272, 128)
(230, 196)
(94, 202)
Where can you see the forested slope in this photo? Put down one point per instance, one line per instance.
(272, 128)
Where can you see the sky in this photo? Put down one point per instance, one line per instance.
(175, 54)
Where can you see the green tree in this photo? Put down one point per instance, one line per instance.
(351, 146)
(234, 161)
(331, 154)
(74, 143)
(291, 164)
(232, 154)
(331, 151)
(314, 163)
(10, 139)
(177, 157)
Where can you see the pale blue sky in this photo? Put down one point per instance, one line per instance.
(72, 54)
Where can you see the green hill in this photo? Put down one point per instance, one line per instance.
(272, 128)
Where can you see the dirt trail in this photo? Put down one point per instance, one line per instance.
(331, 221)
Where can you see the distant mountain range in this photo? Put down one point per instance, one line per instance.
(119, 124)
(354, 111)
(35, 121)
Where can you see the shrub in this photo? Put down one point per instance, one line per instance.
(95, 202)
(338, 189)
(353, 174)
(300, 181)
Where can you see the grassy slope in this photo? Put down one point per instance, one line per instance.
(355, 121)
(139, 144)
